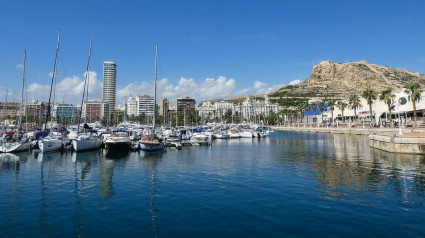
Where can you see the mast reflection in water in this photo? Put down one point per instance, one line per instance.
(290, 184)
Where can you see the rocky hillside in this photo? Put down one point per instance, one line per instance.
(338, 80)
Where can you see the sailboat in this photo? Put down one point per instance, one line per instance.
(52, 141)
(88, 139)
(16, 142)
(152, 142)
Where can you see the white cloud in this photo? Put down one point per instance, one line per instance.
(296, 81)
(19, 66)
(267, 90)
(70, 89)
(259, 84)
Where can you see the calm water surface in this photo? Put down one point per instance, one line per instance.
(287, 185)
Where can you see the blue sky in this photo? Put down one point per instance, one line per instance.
(255, 46)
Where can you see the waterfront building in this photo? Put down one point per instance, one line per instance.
(63, 111)
(206, 110)
(251, 109)
(145, 105)
(93, 110)
(163, 106)
(9, 110)
(35, 111)
(221, 108)
(401, 110)
(131, 106)
(109, 89)
(248, 110)
(185, 103)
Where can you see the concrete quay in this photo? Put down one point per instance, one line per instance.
(411, 143)
(346, 130)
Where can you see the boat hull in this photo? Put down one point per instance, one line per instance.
(245, 134)
(10, 147)
(118, 145)
(151, 146)
(52, 145)
(81, 145)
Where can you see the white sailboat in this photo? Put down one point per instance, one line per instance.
(88, 139)
(152, 142)
(15, 142)
(54, 141)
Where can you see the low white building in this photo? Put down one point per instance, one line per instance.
(401, 106)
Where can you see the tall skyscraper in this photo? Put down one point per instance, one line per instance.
(109, 89)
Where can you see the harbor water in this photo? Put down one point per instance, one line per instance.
(287, 185)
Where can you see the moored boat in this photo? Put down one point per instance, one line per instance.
(54, 142)
(118, 142)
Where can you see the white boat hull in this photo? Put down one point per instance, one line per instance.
(89, 144)
(151, 146)
(233, 136)
(52, 144)
(245, 134)
(10, 147)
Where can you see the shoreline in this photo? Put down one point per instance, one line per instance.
(349, 131)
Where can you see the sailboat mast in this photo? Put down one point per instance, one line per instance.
(53, 80)
(84, 89)
(154, 87)
(23, 89)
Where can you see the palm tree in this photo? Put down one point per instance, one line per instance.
(370, 95)
(332, 108)
(415, 95)
(300, 109)
(387, 96)
(322, 108)
(314, 106)
(354, 100)
(341, 105)
(307, 107)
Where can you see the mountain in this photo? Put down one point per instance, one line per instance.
(338, 80)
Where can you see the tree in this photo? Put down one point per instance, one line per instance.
(415, 95)
(322, 106)
(331, 105)
(342, 105)
(387, 96)
(300, 109)
(307, 108)
(314, 106)
(370, 95)
(354, 100)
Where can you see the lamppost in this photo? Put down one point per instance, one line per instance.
(399, 121)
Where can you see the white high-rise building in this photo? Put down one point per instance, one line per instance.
(145, 105)
(109, 88)
(132, 106)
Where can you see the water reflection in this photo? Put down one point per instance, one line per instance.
(345, 166)
(10, 162)
(106, 172)
(152, 159)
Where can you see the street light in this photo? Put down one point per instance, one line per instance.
(399, 121)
